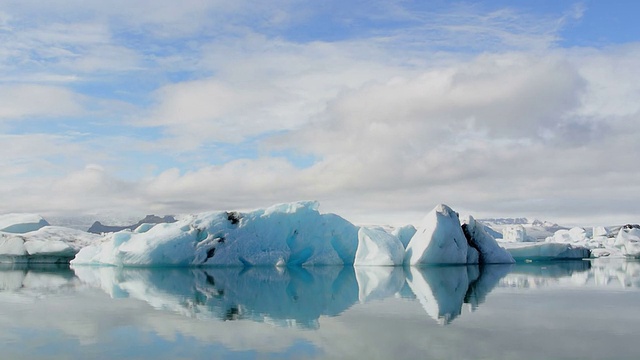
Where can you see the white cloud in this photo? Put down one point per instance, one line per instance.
(19, 101)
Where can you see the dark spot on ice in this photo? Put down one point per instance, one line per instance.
(232, 314)
(233, 217)
(211, 252)
(220, 240)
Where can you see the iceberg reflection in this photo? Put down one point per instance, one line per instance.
(299, 297)
(443, 290)
(292, 296)
(295, 296)
(37, 278)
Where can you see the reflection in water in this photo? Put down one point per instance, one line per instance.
(292, 296)
(43, 278)
(616, 272)
(298, 297)
(443, 290)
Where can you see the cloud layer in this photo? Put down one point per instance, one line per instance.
(379, 114)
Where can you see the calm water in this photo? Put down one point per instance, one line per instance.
(579, 309)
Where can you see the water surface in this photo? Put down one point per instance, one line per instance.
(575, 309)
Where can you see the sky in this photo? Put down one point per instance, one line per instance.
(380, 110)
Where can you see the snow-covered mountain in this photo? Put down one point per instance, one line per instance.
(99, 228)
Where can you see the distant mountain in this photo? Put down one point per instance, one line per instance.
(84, 221)
(99, 228)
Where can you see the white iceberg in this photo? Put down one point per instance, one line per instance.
(286, 234)
(628, 240)
(514, 233)
(49, 244)
(489, 250)
(600, 231)
(21, 223)
(379, 248)
(438, 240)
(573, 235)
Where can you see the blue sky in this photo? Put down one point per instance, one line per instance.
(379, 109)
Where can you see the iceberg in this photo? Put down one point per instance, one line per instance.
(49, 244)
(438, 240)
(573, 235)
(628, 240)
(379, 248)
(514, 233)
(489, 250)
(282, 235)
(21, 223)
(546, 251)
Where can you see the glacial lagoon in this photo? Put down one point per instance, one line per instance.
(564, 309)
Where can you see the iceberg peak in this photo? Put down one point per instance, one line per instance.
(292, 208)
(445, 210)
